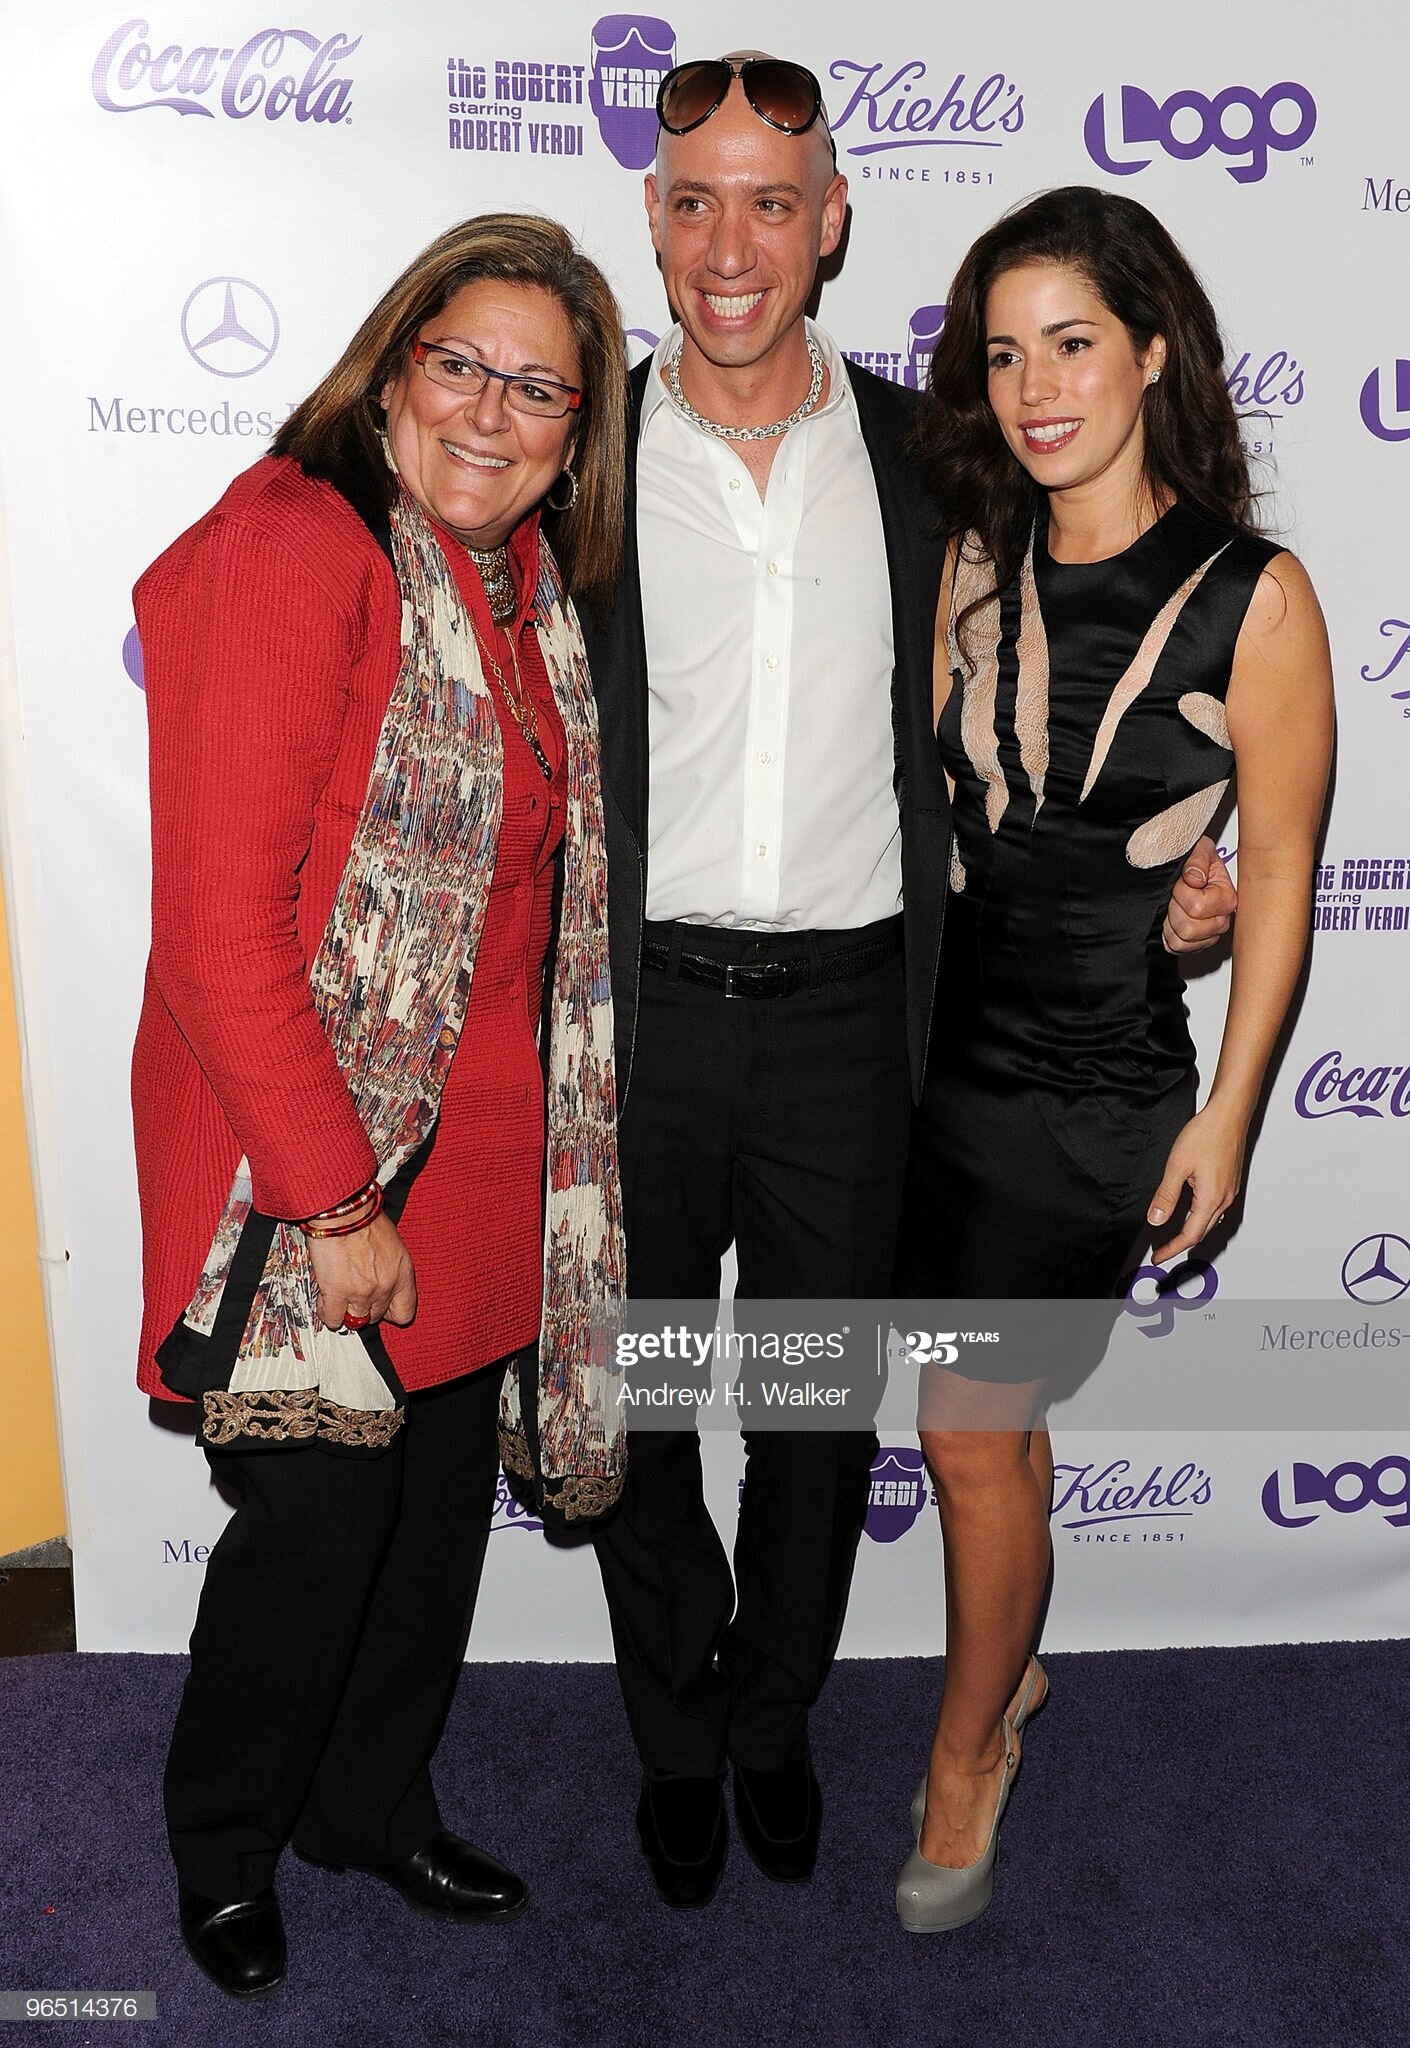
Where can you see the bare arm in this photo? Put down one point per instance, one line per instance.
(944, 681)
(1280, 727)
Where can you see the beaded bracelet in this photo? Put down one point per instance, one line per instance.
(347, 1217)
(345, 1208)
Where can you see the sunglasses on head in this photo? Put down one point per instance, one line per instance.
(784, 95)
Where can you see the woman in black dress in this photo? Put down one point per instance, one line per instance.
(1113, 642)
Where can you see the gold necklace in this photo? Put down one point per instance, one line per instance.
(494, 572)
(518, 702)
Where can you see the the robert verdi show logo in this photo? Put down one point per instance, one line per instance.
(1364, 893)
(909, 366)
(510, 105)
(273, 72)
(902, 123)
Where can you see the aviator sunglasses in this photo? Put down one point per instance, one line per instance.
(784, 95)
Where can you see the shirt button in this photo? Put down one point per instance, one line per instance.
(762, 850)
(773, 568)
(770, 661)
(764, 759)
(734, 483)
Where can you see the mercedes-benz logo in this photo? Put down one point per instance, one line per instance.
(230, 326)
(1377, 1270)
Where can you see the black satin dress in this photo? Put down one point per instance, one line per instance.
(1089, 749)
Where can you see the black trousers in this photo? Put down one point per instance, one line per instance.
(781, 1125)
(327, 1645)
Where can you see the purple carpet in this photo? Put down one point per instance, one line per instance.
(1205, 1849)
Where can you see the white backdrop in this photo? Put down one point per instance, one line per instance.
(199, 208)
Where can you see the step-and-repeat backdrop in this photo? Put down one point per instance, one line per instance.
(200, 205)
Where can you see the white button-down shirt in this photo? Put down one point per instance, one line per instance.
(769, 651)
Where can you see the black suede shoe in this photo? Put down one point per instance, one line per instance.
(239, 1945)
(685, 1835)
(450, 1879)
(780, 1816)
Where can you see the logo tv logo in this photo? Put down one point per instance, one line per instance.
(1238, 122)
(631, 54)
(1373, 407)
(900, 1489)
(273, 70)
(1155, 1297)
(1345, 1490)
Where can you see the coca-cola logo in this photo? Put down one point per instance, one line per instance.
(1329, 1088)
(510, 1513)
(272, 72)
(1096, 1495)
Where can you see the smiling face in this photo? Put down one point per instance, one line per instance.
(740, 214)
(1065, 379)
(471, 462)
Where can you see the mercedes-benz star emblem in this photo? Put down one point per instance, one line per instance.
(1377, 1270)
(230, 326)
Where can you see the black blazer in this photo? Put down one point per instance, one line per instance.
(616, 645)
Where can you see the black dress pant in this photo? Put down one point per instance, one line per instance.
(781, 1125)
(327, 1645)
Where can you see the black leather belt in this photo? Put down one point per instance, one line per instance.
(763, 978)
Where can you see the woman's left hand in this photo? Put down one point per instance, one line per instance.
(1208, 1158)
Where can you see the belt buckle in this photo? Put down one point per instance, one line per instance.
(757, 967)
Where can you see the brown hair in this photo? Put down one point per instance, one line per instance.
(335, 433)
(1192, 445)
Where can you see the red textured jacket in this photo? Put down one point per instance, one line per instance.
(271, 642)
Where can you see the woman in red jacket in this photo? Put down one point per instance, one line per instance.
(373, 749)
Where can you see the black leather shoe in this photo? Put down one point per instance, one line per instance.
(685, 1835)
(240, 1946)
(450, 1879)
(780, 1816)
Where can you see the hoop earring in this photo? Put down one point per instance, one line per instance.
(572, 497)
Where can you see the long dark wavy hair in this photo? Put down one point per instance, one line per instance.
(1192, 445)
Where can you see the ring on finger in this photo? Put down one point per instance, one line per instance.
(353, 1322)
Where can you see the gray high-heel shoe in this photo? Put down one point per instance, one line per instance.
(931, 1898)
(1021, 1714)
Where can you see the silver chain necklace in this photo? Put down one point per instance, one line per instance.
(724, 433)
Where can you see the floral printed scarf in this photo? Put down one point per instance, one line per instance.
(391, 983)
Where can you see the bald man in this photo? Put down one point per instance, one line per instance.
(778, 832)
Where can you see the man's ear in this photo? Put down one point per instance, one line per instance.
(651, 194)
(834, 215)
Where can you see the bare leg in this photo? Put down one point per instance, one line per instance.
(994, 1487)
(1040, 1457)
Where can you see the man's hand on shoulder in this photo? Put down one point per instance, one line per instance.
(1202, 903)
